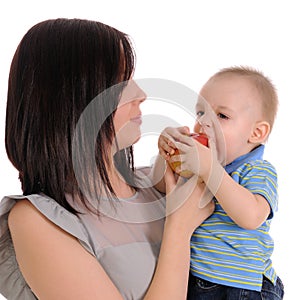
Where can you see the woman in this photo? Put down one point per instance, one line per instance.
(83, 228)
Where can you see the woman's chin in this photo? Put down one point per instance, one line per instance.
(125, 142)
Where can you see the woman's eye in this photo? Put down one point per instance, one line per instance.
(222, 116)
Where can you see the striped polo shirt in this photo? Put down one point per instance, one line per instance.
(224, 253)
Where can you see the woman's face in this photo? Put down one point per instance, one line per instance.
(128, 116)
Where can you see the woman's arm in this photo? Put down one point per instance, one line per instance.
(54, 263)
(157, 174)
(183, 216)
(56, 266)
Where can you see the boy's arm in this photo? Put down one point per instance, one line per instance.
(246, 209)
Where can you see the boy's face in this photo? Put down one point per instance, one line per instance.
(236, 104)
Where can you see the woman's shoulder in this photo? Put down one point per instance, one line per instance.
(26, 222)
(30, 221)
(24, 214)
(38, 208)
(17, 215)
(23, 219)
(41, 241)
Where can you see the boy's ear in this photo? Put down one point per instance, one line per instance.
(260, 132)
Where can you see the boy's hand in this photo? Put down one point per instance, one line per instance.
(194, 156)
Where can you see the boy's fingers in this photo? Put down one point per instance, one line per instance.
(184, 130)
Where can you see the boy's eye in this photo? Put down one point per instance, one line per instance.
(200, 113)
(222, 116)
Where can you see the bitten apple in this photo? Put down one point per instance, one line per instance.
(199, 137)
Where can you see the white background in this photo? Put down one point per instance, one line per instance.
(187, 42)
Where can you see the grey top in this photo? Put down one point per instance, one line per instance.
(125, 240)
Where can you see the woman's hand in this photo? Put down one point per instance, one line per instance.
(168, 138)
(183, 202)
(170, 280)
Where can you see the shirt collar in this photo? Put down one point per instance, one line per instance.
(255, 154)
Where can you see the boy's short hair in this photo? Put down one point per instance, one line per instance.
(262, 83)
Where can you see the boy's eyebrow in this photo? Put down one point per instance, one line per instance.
(226, 108)
(199, 106)
(222, 107)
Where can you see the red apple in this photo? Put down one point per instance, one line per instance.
(199, 137)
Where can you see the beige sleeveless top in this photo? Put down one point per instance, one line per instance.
(125, 239)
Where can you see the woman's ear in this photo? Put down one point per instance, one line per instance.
(260, 132)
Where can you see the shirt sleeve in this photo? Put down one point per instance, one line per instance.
(261, 178)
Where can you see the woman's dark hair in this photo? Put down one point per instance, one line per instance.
(59, 67)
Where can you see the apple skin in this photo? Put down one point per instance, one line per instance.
(199, 137)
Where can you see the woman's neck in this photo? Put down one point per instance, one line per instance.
(121, 188)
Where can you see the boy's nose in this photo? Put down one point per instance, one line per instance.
(205, 120)
(203, 123)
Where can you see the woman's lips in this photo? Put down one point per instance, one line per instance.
(137, 119)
